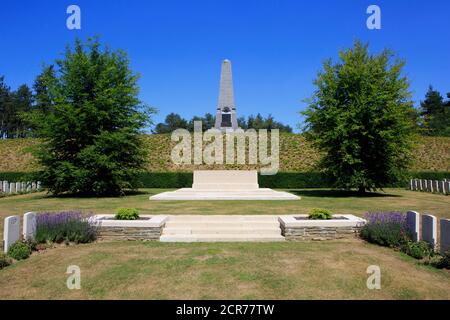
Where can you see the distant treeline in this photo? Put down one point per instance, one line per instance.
(16, 105)
(174, 121)
(432, 117)
(434, 114)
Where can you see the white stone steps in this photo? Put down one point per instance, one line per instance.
(221, 230)
(221, 238)
(220, 224)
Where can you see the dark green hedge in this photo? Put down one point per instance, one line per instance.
(282, 180)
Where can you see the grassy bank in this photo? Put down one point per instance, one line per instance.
(296, 155)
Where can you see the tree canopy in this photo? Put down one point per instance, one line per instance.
(89, 117)
(362, 117)
(12, 105)
(174, 121)
(435, 114)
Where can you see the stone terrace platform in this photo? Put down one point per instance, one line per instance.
(225, 185)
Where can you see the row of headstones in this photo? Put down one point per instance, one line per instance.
(16, 187)
(442, 186)
(429, 230)
(11, 229)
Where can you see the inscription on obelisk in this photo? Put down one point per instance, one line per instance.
(226, 110)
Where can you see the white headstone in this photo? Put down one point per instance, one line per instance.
(445, 235)
(5, 187)
(430, 186)
(11, 231)
(18, 187)
(416, 184)
(38, 185)
(23, 186)
(28, 187)
(421, 185)
(33, 186)
(412, 221)
(429, 229)
(12, 187)
(442, 187)
(425, 185)
(29, 225)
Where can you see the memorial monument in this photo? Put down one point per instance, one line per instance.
(226, 119)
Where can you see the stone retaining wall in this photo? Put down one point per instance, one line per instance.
(144, 230)
(130, 233)
(343, 226)
(319, 233)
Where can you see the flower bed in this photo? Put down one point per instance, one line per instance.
(70, 226)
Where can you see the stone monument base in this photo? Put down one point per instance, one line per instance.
(225, 185)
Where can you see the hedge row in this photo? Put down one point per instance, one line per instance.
(282, 180)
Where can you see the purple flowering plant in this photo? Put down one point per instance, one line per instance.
(386, 228)
(66, 226)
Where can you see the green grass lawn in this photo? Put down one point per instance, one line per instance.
(306, 270)
(337, 201)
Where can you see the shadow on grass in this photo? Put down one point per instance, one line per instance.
(127, 193)
(341, 194)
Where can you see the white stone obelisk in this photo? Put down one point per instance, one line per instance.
(226, 119)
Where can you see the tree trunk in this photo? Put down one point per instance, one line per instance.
(361, 190)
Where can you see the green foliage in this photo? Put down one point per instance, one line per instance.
(386, 229)
(417, 250)
(71, 226)
(320, 214)
(362, 118)
(435, 114)
(91, 132)
(12, 105)
(127, 214)
(282, 180)
(442, 262)
(4, 260)
(19, 250)
(174, 121)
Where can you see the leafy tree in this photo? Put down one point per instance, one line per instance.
(91, 132)
(41, 86)
(5, 107)
(23, 103)
(12, 105)
(361, 118)
(174, 121)
(435, 114)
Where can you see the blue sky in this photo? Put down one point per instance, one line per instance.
(276, 47)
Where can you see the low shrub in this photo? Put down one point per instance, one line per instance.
(441, 262)
(320, 214)
(4, 260)
(127, 214)
(64, 227)
(386, 229)
(19, 250)
(417, 250)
